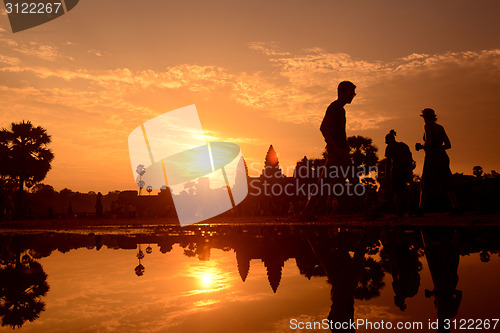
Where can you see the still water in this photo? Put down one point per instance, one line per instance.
(246, 278)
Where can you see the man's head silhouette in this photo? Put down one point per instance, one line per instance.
(346, 92)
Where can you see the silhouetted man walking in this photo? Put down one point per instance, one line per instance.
(334, 123)
(333, 129)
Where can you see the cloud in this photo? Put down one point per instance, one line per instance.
(267, 48)
(97, 53)
(10, 61)
(33, 48)
(215, 136)
(103, 105)
(299, 86)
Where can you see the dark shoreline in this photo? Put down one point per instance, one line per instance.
(435, 219)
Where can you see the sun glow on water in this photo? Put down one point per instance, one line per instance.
(209, 279)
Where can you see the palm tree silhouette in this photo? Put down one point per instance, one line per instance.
(22, 285)
(362, 151)
(24, 150)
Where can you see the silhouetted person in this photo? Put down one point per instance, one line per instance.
(98, 205)
(436, 172)
(398, 170)
(333, 128)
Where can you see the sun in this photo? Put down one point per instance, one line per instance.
(207, 279)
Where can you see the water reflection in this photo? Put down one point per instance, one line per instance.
(442, 253)
(366, 270)
(23, 283)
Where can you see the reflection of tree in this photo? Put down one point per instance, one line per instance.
(190, 250)
(139, 269)
(22, 285)
(484, 256)
(200, 249)
(371, 280)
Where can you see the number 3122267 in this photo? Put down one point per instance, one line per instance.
(32, 8)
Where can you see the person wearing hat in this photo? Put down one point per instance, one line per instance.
(436, 172)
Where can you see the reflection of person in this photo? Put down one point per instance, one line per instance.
(442, 254)
(343, 272)
(334, 124)
(398, 169)
(400, 259)
(436, 172)
(405, 276)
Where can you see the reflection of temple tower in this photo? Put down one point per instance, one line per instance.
(274, 267)
(243, 261)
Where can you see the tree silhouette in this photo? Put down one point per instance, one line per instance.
(23, 147)
(22, 285)
(5, 156)
(362, 151)
(477, 171)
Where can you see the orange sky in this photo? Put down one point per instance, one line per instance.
(259, 73)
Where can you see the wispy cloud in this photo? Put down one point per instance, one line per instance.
(296, 91)
(268, 48)
(299, 85)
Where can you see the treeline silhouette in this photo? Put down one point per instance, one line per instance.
(475, 193)
(26, 160)
(353, 260)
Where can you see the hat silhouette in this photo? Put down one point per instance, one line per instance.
(428, 113)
